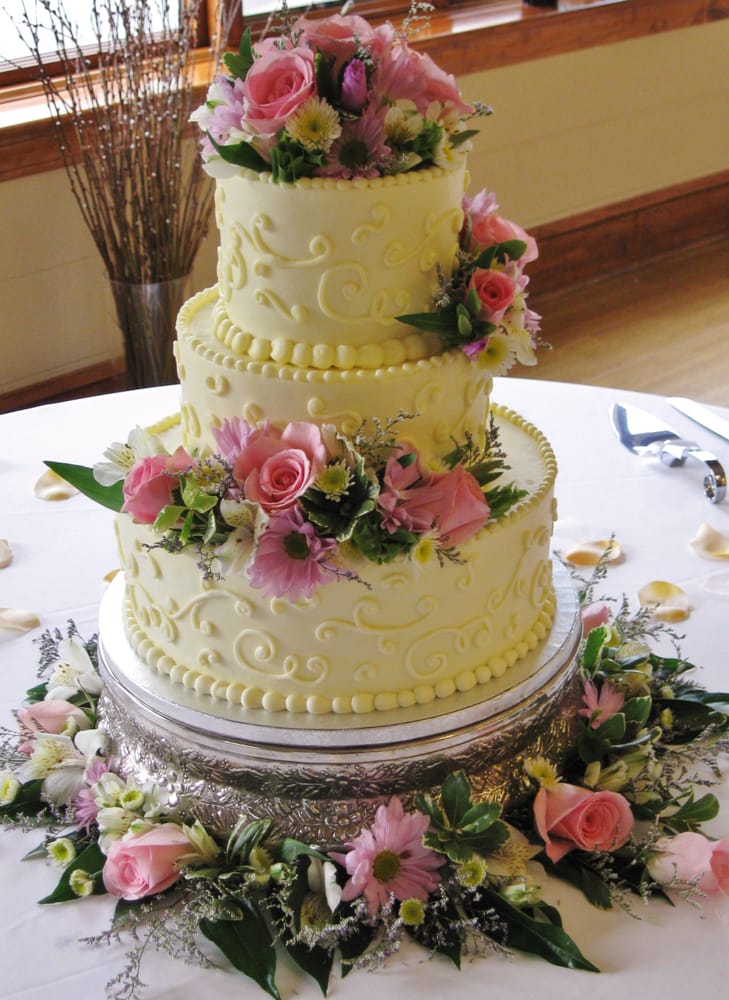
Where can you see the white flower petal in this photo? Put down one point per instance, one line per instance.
(591, 553)
(710, 543)
(50, 486)
(668, 602)
(18, 620)
(6, 553)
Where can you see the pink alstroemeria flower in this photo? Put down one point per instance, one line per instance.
(390, 859)
(600, 705)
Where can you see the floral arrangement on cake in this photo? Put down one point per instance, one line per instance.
(332, 97)
(304, 502)
(619, 816)
(482, 307)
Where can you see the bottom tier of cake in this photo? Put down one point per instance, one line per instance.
(322, 778)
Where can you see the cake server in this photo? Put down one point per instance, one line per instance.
(700, 415)
(644, 434)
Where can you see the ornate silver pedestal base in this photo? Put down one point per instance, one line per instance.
(321, 778)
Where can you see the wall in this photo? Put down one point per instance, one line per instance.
(570, 133)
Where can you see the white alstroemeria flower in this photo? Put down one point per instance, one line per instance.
(523, 347)
(72, 672)
(322, 879)
(114, 822)
(9, 788)
(61, 762)
(510, 861)
(121, 457)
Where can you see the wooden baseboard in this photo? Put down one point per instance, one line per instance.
(66, 385)
(628, 234)
(572, 252)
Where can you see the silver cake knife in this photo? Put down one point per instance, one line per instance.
(701, 415)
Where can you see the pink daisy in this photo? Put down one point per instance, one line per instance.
(390, 859)
(600, 705)
(361, 148)
(289, 557)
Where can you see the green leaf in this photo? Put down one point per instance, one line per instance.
(168, 517)
(28, 801)
(247, 945)
(637, 710)
(354, 946)
(539, 938)
(442, 322)
(569, 869)
(82, 478)
(456, 797)
(91, 860)
(292, 849)
(239, 63)
(694, 813)
(596, 640)
(315, 962)
(242, 154)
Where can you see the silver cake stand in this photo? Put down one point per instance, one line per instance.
(321, 778)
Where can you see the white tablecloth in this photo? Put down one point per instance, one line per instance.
(63, 550)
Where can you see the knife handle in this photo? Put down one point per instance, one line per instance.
(675, 452)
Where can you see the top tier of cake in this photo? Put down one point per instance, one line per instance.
(315, 273)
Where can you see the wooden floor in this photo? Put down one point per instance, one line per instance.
(663, 328)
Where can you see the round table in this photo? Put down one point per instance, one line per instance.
(63, 550)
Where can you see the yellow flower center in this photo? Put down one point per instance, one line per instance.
(385, 866)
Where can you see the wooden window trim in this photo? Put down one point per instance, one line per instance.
(469, 38)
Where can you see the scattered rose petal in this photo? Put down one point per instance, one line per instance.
(710, 543)
(717, 583)
(6, 553)
(667, 601)
(591, 553)
(18, 620)
(50, 486)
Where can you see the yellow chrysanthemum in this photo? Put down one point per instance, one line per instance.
(497, 357)
(315, 125)
(542, 770)
(423, 551)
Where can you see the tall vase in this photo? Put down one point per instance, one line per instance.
(147, 315)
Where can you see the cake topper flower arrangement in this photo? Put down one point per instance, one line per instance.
(332, 97)
(619, 816)
(298, 506)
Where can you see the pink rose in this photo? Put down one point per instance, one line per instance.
(567, 817)
(594, 615)
(488, 227)
(143, 864)
(275, 468)
(277, 84)
(495, 291)
(150, 483)
(341, 35)
(460, 506)
(692, 859)
(51, 716)
(439, 86)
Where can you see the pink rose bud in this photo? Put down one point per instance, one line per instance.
(595, 614)
(354, 86)
(692, 859)
(51, 716)
(143, 864)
